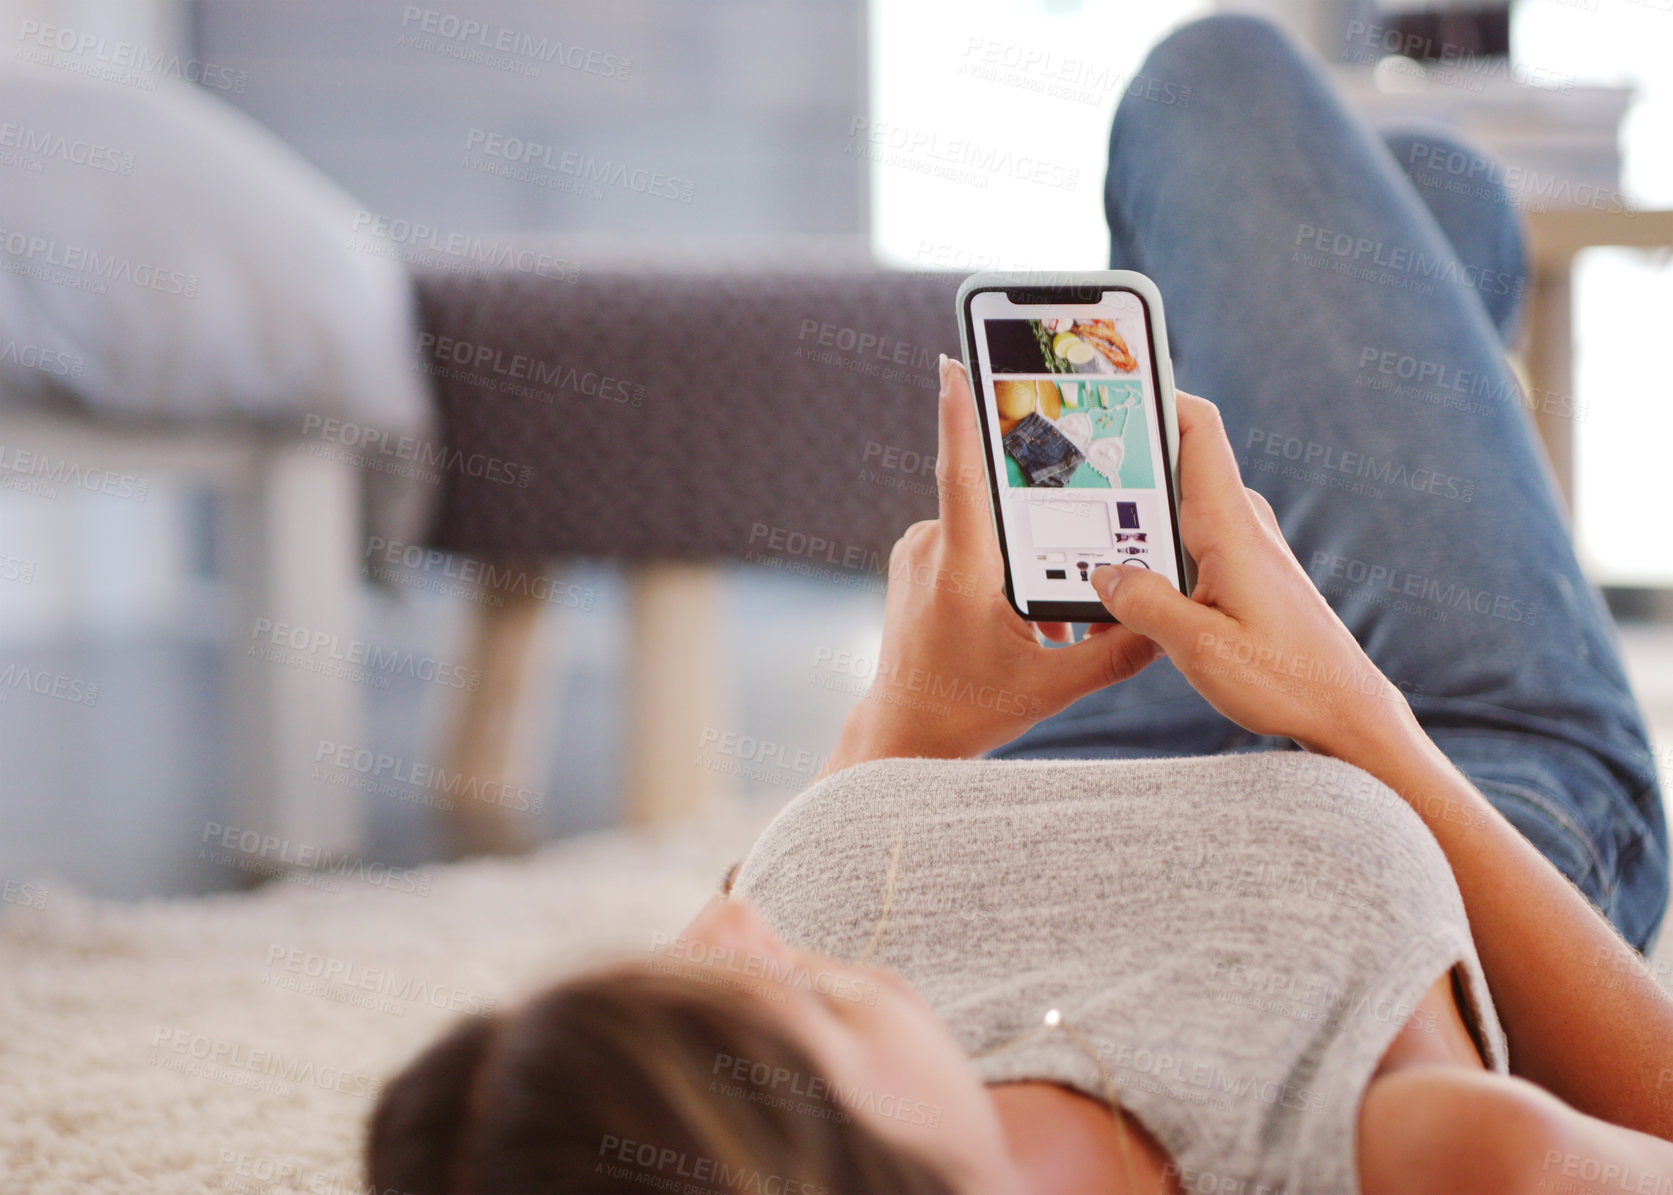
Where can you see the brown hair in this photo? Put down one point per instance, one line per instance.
(620, 1081)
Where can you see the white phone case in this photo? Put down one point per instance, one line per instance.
(1146, 289)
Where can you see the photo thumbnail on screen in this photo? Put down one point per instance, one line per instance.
(1062, 346)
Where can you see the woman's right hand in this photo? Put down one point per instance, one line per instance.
(1260, 643)
(1255, 638)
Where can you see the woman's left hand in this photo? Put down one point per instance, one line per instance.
(960, 672)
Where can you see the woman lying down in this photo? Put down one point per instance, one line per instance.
(1277, 971)
(1244, 919)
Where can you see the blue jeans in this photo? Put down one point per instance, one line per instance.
(1344, 299)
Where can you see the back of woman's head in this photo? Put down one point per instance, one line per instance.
(624, 1081)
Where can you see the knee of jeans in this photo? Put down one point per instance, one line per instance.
(1231, 52)
(1242, 66)
(1232, 49)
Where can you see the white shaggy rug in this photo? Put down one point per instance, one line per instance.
(236, 1043)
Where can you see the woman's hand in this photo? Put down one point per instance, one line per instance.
(960, 672)
(1256, 638)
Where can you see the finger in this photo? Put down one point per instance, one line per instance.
(960, 473)
(907, 544)
(1056, 632)
(1097, 662)
(1208, 474)
(1146, 604)
(1263, 509)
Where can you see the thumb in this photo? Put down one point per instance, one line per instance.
(1144, 602)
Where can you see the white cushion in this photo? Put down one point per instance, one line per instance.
(229, 284)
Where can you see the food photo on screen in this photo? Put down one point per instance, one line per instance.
(1061, 346)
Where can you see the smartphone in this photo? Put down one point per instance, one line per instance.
(1074, 390)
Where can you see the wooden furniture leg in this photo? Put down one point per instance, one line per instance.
(491, 751)
(1550, 361)
(676, 692)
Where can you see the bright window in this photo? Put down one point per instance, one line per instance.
(989, 132)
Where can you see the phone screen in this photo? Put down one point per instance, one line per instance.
(1075, 438)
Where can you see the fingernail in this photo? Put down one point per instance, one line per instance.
(1105, 578)
(945, 375)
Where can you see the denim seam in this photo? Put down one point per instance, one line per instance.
(1580, 740)
(1554, 809)
(1653, 789)
(1600, 754)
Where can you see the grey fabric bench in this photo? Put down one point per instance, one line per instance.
(670, 416)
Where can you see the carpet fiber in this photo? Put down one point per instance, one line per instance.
(237, 1043)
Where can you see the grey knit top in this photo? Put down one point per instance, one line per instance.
(1238, 938)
